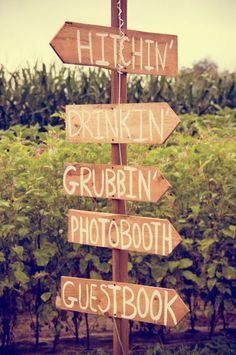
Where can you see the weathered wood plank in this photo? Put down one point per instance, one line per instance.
(133, 233)
(122, 300)
(135, 183)
(137, 52)
(150, 123)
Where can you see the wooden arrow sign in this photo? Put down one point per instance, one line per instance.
(150, 123)
(135, 183)
(122, 300)
(133, 233)
(135, 52)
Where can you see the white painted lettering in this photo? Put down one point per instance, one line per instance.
(94, 231)
(85, 176)
(131, 170)
(153, 123)
(125, 234)
(168, 309)
(102, 61)
(84, 297)
(160, 59)
(153, 303)
(104, 222)
(128, 302)
(103, 288)
(145, 303)
(136, 53)
(144, 185)
(92, 297)
(124, 63)
(69, 298)
(71, 187)
(110, 177)
(114, 289)
(84, 47)
(83, 230)
(115, 47)
(74, 226)
(148, 67)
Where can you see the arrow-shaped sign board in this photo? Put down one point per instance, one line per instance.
(150, 123)
(133, 52)
(133, 233)
(135, 183)
(122, 300)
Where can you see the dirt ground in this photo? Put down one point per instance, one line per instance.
(101, 337)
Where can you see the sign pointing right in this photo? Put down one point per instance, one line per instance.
(134, 233)
(122, 300)
(135, 183)
(150, 123)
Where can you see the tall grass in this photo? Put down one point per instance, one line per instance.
(32, 95)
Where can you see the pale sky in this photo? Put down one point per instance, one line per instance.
(205, 28)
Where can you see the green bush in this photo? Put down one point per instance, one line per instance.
(220, 347)
(199, 162)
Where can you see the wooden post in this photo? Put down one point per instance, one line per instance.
(119, 156)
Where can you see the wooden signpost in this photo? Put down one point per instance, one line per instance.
(150, 123)
(124, 51)
(134, 183)
(137, 52)
(133, 233)
(122, 300)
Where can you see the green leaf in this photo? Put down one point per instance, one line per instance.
(95, 260)
(95, 275)
(44, 255)
(83, 265)
(209, 311)
(103, 267)
(40, 275)
(21, 276)
(173, 265)
(46, 296)
(211, 283)
(229, 273)
(2, 257)
(185, 263)
(4, 203)
(171, 279)
(205, 244)
(158, 272)
(189, 275)
(212, 270)
(19, 250)
(231, 232)
(130, 266)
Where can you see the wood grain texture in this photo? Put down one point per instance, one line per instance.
(133, 233)
(135, 183)
(119, 156)
(122, 300)
(150, 123)
(138, 52)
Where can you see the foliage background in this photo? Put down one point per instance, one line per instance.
(29, 96)
(198, 160)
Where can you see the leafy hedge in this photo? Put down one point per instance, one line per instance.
(31, 95)
(199, 162)
(219, 347)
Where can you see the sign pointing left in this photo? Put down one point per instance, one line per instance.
(135, 52)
